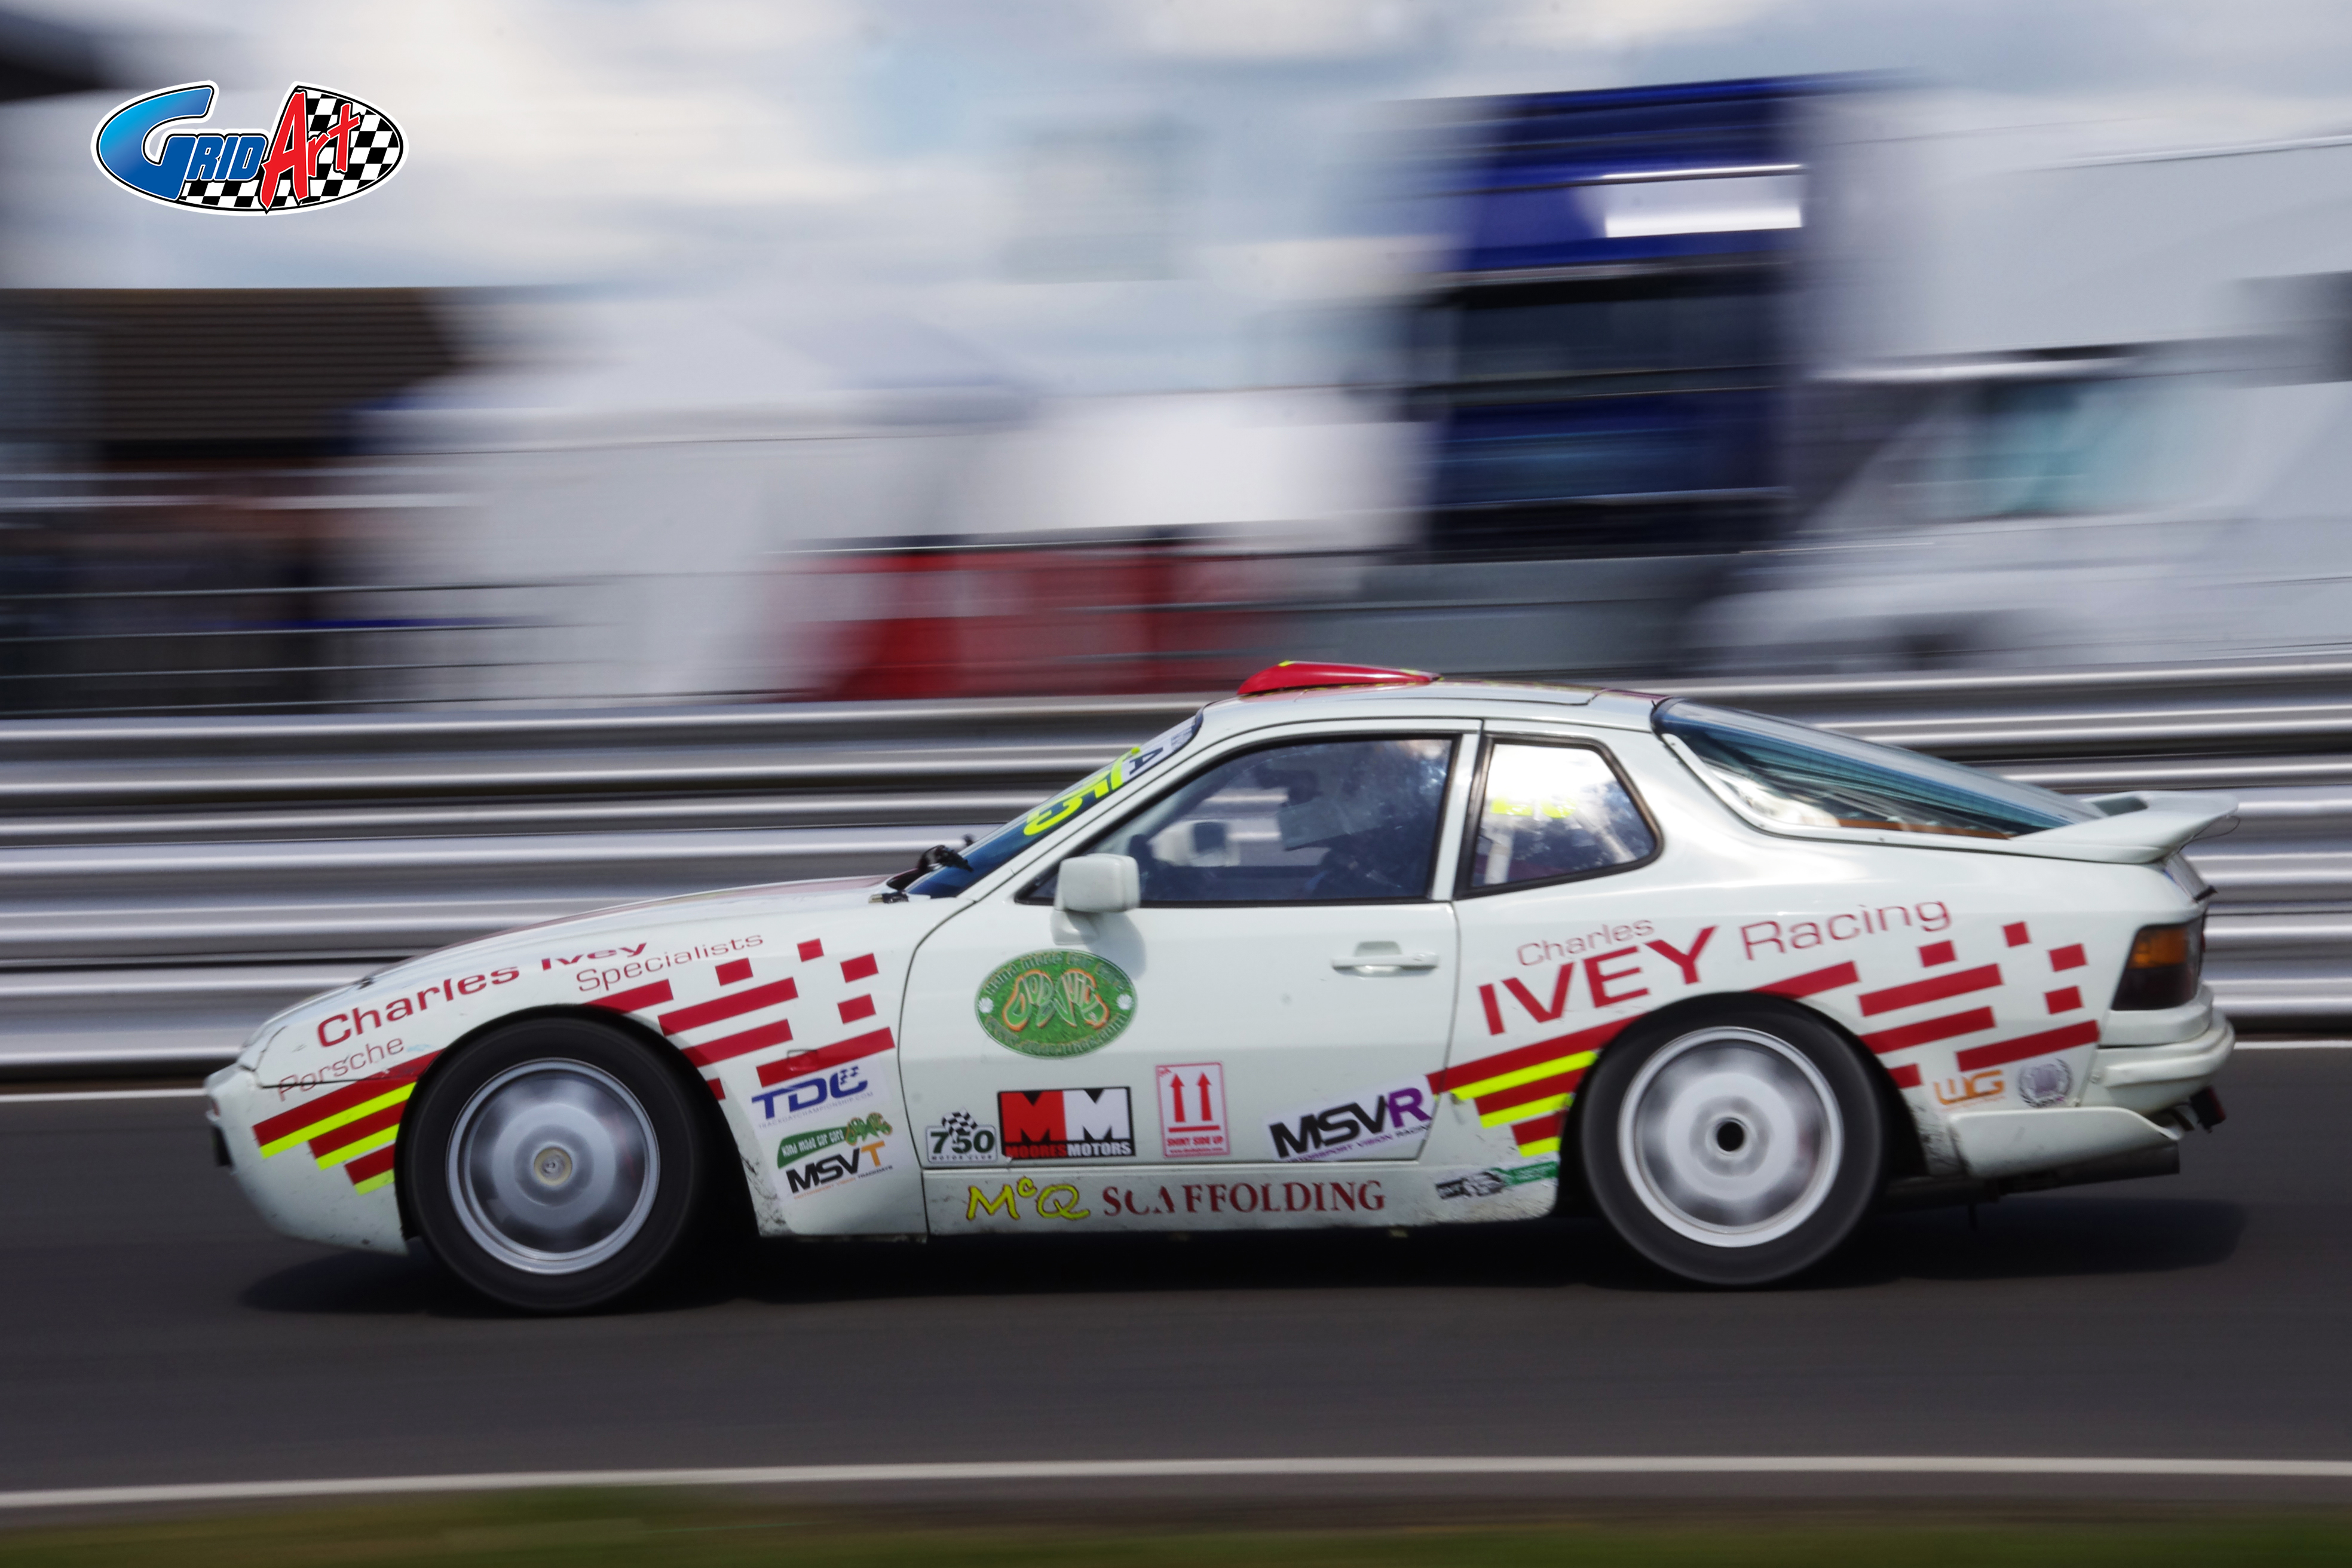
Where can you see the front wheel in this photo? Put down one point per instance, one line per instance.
(1736, 1150)
(553, 1165)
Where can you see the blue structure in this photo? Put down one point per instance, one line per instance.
(1607, 358)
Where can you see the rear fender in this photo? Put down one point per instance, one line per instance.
(1907, 1153)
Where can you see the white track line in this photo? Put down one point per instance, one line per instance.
(105, 1094)
(1178, 1470)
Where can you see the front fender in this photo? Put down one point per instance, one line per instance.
(785, 1004)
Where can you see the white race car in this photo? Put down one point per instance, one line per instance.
(1358, 947)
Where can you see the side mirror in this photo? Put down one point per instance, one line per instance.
(1098, 885)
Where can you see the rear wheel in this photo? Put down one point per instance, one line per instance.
(553, 1165)
(1735, 1150)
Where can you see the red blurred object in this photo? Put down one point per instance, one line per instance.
(1293, 674)
(1064, 618)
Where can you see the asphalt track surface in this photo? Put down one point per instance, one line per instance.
(156, 1332)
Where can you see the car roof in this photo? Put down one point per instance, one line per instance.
(1597, 706)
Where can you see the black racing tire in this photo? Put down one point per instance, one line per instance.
(1733, 1147)
(554, 1164)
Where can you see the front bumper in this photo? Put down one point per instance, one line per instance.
(295, 1195)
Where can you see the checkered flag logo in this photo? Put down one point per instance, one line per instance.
(959, 1122)
(326, 147)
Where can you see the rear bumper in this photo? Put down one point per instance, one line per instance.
(2120, 1122)
(1996, 1144)
(2149, 1079)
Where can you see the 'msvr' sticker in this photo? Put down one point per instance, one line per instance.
(1384, 1123)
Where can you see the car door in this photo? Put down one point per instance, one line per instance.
(1280, 998)
(1564, 938)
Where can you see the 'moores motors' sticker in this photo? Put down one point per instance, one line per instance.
(1059, 1003)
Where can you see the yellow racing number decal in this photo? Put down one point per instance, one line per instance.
(1101, 786)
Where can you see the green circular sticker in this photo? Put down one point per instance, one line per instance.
(1059, 1003)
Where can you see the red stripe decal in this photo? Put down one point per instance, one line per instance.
(855, 969)
(374, 1162)
(1527, 1133)
(327, 1142)
(807, 1062)
(1928, 1029)
(1905, 1076)
(742, 1002)
(717, 1087)
(1542, 1051)
(1959, 983)
(1527, 1093)
(1812, 980)
(312, 1111)
(2041, 1044)
(637, 1000)
(733, 1046)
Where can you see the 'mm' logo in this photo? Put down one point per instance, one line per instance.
(326, 147)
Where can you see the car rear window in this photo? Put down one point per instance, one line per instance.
(1794, 774)
(1553, 812)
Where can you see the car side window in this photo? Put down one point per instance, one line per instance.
(1550, 811)
(1315, 821)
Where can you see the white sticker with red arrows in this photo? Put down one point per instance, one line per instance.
(1193, 1110)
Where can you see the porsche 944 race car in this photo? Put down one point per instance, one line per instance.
(1356, 947)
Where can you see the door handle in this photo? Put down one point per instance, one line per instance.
(1383, 958)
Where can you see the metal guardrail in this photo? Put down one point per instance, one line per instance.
(165, 883)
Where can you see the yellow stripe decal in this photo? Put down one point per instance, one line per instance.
(1541, 1146)
(381, 1179)
(368, 1144)
(1502, 1081)
(1527, 1112)
(328, 1123)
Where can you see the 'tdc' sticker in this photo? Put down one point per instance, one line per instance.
(1193, 1110)
(818, 1091)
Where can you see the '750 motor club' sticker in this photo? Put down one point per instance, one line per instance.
(1058, 1004)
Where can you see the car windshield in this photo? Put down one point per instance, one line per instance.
(1805, 777)
(1061, 807)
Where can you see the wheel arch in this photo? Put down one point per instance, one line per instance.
(733, 1198)
(1906, 1154)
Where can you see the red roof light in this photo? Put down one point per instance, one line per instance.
(1292, 675)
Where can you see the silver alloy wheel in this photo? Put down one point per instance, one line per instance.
(1731, 1137)
(553, 1167)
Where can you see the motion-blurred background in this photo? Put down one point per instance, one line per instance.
(511, 540)
(707, 350)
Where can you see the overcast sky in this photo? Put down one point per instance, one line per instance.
(842, 148)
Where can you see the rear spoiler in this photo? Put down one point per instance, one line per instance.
(2138, 826)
